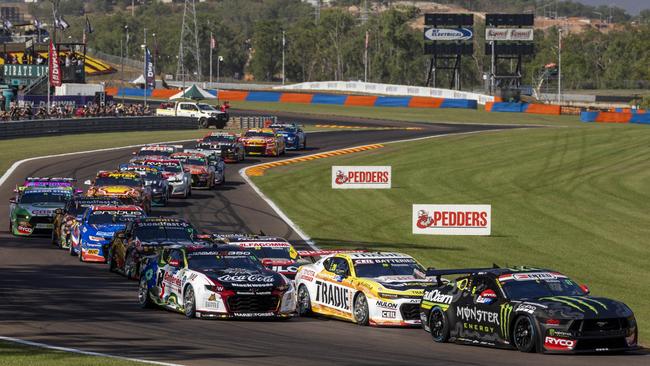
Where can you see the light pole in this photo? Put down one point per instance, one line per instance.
(155, 57)
(559, 66)
(283, 44)
(219, 60)
(145, 74)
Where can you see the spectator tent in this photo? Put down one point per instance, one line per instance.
(193, 92)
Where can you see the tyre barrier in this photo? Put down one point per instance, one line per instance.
(615, 117)
(49, 127)
(523, 108)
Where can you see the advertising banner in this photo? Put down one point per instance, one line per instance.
(361, 177)
(509, 34)
(448, 34)
(452, 219)
(55, 67)
(149, 73)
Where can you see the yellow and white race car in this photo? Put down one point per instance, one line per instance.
(368, 288)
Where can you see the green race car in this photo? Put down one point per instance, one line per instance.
(32, 210)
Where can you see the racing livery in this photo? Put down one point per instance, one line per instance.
(224, 143)
(178, 177)
(275, 253)
(32, 210)
(529, 309)
(128, 187)
(201, 172)
(215, 281)
(263, 141)
(96, 230)
(294, 136)
(154, 179)
(66, 219)
(48, 182)
(214, 160)
(145, 236)
(380, 288)
(157, 151)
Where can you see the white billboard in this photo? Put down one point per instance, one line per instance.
(361, 177)
(448, 34)
(509, 34)
(452, 219)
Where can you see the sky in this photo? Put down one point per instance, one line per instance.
(632, 6)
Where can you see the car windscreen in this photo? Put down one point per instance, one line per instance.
(163, 233)
(271, 252)
(218, 262)
(192, 161)
(117, 181)
(219, 139)
(288, 129)
(172, 168)
(259, 134)
(536, 288)
(206, 107)
(378, 267)
(112, 217)
(44, 197)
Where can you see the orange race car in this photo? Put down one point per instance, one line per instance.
(128, 187)
(263, 141)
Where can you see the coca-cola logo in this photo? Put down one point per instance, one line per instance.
(246, 278)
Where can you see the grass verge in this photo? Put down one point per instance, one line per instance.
(18, 355)
(574, 200)
(414, 114)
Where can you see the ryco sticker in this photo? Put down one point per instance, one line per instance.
(452, 219)
(361, 177)
(558, 344)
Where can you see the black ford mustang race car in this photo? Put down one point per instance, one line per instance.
(525, 308)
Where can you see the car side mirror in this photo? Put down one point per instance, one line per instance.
(12, 200)
(174, 263)
(134, 153)
(88, 182)
(585, 288)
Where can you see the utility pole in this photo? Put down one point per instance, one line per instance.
(283, 44)
(492, 70)
(559, 66)
(132, 8)
(189, 41)
(365, 59)
(211, 42)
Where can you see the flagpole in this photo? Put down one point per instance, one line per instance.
(283, 44)
(211, 43)
(146, 85)
(365, 60)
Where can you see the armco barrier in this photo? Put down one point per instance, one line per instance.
(47, 127)
(615, 117)
(523, 108)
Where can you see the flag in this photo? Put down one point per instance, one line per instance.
(6, 24)
(60, 23)
(367, 39)
(37, 23)
(149, 73)
(54, 66)
(89, 28)
(213, 42)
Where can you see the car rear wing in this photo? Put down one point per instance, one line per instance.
(438, 273)
(314, 255)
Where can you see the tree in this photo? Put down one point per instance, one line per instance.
(267, 48)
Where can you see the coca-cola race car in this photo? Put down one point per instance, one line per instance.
(214, 281)
(529, 309)
(275, 253)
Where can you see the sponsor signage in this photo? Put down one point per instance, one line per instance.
(448, 34)
(509, 34)
(361, 177)
(24, 71)
(452, 219)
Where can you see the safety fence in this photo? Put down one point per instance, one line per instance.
(615, 117)
(47, 127)
(523, 108)
(246, 122)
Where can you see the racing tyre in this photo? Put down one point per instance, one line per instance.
(54, 238)
(189, 302)
(203, 123)
(143, 294)
(361, 313)
(111, 261)
(304, 144)
(304, 301)
(130, 266)
(81, 255)
(439, 325)
(524, 334)
(71, 249)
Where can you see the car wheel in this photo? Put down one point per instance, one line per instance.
(71, 249)
(189, 302)
(143, 294)
(361, 313)
(111, 261)
(524, 334)
(81, 254)
(304, 144)
(304, 301)
(203, 123)
(189, 192)
(54, 237)
(130, 267)
(439, 325)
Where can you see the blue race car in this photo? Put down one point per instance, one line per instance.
(67, 218)
(294, 137)
(97, 228)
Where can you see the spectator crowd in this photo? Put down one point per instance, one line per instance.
(16, 112)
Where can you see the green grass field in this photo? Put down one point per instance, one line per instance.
(571, 199)
(414, 114)
(18, 355)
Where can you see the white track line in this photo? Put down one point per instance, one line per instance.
(292, 224)
(86, 353)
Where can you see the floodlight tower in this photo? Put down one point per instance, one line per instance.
(188, 49)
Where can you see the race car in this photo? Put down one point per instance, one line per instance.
(263, 141)
(526, 308)
(67, 218)
(294, 137)
(143, 237)
(31, 211)
(275, 253)
(128, 187)
(215, 281)
(367, 288)
(96, 229)
(203, 174)
(224, 143)
(215, 160)
(154, 179)
(157, 150)
(178, 177)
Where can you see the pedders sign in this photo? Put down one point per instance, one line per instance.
(452, 219)
(361, 177)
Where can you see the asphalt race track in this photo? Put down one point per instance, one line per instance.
(50, 297)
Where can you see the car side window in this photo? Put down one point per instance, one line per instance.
(326, 263)
(340, 267)
(482, 283)
(177, 255)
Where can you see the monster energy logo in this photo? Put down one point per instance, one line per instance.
(504, 319)
(579, 304)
